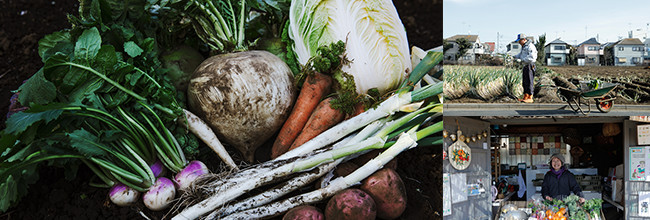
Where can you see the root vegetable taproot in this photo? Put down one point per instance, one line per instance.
(314, 88)
(245, 97)
(323, 117)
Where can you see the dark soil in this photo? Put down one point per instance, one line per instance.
(423, 22)
(23, 23)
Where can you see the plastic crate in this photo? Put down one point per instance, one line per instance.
(594, 182)
(592, 188)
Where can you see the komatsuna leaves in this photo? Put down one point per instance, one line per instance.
(37, 90)
(54, 70)
(85, 143)
(106, 58)
(132, 49)
(15, 186)
(20, 121)
(50, 41)
(88, 45)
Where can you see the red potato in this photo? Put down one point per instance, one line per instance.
(351, 204)
(387, 190)
(304, 212)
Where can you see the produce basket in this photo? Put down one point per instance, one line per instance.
(520, 205)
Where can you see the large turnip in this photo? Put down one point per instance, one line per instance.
(245, 97)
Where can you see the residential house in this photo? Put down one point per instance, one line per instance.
(646, 58)
(589, 53)
(472, 54)
(628, 52)
(556, 52)
(513, 48)
(489, 47)
(604, 54)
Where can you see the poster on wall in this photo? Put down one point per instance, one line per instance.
(644, 203)
(637, 164)
(643, 134)
(458, 187)
(446, 195)
(647, 165)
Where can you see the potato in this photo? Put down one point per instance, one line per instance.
(304, 212)
(351, 204)
(387, 190)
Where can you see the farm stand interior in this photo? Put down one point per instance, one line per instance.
(597, 149)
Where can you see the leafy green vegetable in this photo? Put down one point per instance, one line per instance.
(101, 96)
(373, 33)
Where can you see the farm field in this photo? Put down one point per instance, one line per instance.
(634, 83)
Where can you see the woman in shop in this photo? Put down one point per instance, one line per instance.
(559, 182)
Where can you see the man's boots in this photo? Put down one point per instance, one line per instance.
(527, 98)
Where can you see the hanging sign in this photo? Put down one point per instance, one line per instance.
(643, 134)
(460, 155)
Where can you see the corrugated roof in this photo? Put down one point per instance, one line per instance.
(590, 41)
(630, 41)
(470, 38)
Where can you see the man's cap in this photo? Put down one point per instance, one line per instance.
(520, 36)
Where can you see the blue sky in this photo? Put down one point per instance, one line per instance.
(558, 19)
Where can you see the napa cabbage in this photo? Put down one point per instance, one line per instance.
(375, 37)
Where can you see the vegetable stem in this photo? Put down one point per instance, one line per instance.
(102, 76)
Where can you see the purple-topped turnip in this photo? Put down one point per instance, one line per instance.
(160, 195)
(189, 174)
(123, 195)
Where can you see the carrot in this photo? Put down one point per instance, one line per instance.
(358, 109)
(315, 88)
(323, 117)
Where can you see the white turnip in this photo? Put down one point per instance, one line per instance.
(160, 195)
(245, 97)
(123, 195)
(189, 174)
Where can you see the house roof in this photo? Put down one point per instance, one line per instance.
(557, 41)
(630, 41)
(590, 41)
(470, 38)
(602, 46)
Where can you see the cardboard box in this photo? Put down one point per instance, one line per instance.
(620, 171)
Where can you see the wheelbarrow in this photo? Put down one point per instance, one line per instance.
(604, 96)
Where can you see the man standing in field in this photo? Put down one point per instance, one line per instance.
(528, 56)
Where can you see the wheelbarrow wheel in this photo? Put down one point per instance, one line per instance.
(578, 104)
(605, 106)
